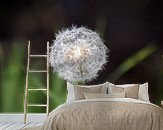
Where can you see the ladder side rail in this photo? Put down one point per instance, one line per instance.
(26, 85)
(47, 109)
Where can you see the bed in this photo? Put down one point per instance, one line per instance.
(96, 111)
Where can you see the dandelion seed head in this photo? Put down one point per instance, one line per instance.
(78, 54)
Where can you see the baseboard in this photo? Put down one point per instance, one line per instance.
(19, 117)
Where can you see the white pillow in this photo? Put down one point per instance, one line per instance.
(71, 91)
(143, 90)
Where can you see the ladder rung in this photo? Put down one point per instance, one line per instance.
(37, 105)
(39, 89)
(38, 55)
(37, 71)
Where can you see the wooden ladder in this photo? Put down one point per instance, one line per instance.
(26, 105)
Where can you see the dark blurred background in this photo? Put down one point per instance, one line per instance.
(131, 29)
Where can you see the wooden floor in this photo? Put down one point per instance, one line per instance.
(17, 126)
(15, 121)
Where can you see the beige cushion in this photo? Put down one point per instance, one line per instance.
(76, 92)
(102, 95)
(79, 91)
(131, 92)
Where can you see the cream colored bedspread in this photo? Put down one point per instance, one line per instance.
(106, 114)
